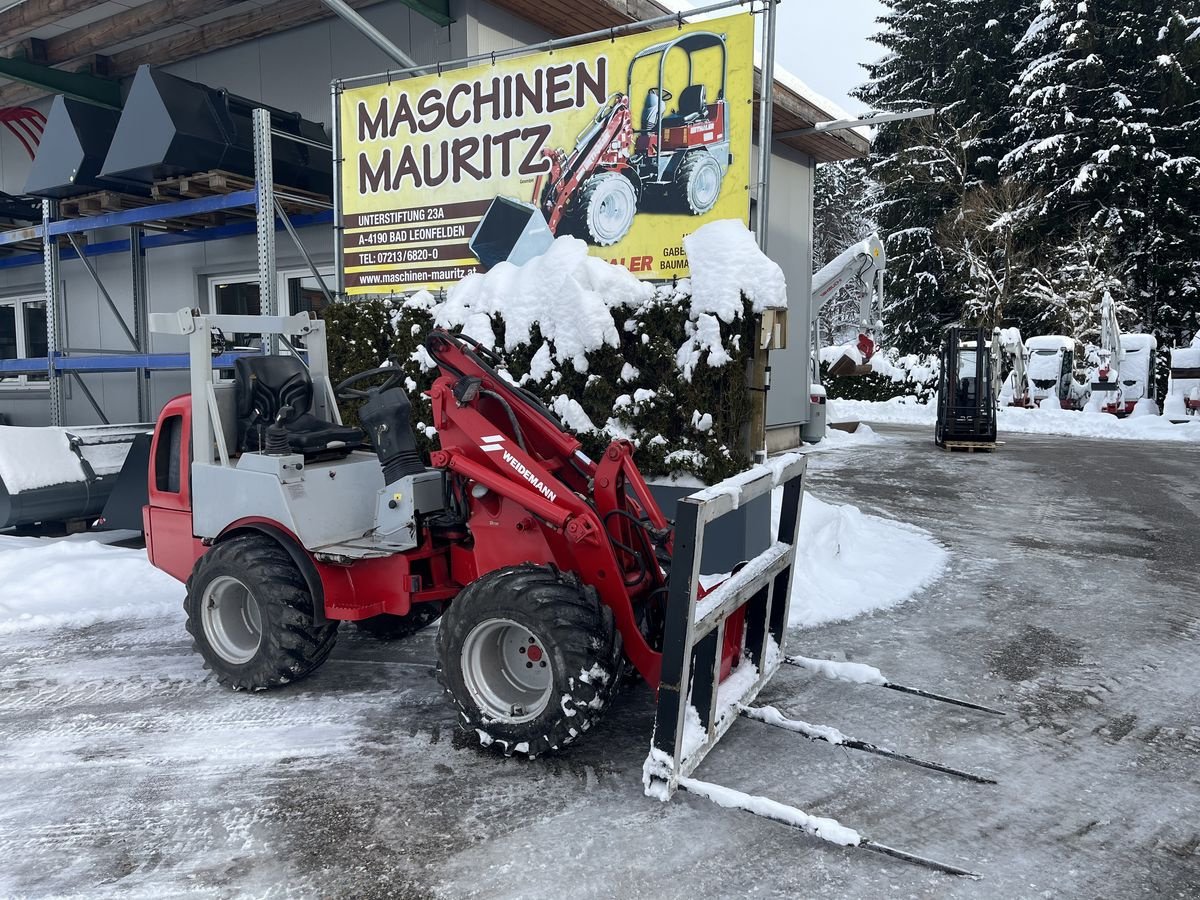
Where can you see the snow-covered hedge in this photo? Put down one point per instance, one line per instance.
(891, 375)
(664, 367)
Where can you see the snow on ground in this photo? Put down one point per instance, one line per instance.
(849, 562)
(905, 411)
(78, 582)
(836, 439)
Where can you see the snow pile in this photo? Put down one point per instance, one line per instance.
(896, 411)
(565, 292)
(726, 263)
(616, 358)
(55, 583)
(836, 439)
(726, 266)
(1087, 423)
(33, 458)
(849, 562)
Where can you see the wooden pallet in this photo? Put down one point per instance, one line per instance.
(99, 203)
(102, 202)
(217, 181)
(971, 446)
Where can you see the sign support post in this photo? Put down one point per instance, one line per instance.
(757, 438)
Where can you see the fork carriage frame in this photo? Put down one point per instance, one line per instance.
(756, 599)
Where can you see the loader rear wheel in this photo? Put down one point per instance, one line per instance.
(250, 611)
(605, 210)
(529, 657)
(699, 183)
(394, 628)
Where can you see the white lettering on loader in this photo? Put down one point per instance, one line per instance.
(529, 476)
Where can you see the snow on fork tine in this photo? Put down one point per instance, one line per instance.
(858, 673)
(826, 829)
(769, 715)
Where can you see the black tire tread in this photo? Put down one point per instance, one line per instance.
(295, 646)
(570, 620)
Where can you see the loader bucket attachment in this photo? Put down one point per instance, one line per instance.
(855, 360)
(696, 706)
(511, 230)
(847, 365)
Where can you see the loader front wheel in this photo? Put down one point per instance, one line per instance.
(250, 611)
(530, 658)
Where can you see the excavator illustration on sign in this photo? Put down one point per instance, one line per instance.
(674, 162)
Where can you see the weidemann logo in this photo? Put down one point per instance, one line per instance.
(529, 476)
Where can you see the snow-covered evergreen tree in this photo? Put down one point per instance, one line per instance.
(1066, 288)
(957, 57)
(1108, 132)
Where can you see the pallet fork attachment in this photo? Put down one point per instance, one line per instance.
(696, 704)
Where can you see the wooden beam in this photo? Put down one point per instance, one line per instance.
(33, 14)
(126, 26)
(227, 32)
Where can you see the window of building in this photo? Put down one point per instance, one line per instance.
(22, 335)
(238, 295)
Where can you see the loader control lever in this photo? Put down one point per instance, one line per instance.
(387, 418)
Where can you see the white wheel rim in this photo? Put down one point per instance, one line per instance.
(611, 213)
(705, 185)
(231, 620)
(507, 671)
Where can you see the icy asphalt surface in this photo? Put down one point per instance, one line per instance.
(1072, 599)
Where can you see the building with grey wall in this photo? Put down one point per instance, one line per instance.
(285, 55)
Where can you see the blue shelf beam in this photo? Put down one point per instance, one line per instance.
(124, 362)
(167, 239)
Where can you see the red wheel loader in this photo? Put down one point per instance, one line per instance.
(550, 572)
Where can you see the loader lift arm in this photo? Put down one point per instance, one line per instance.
(1013, 347)
(1108, 376)
(865, 264)
(491, 430)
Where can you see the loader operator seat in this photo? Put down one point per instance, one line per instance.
(693, 105)
(264, 386)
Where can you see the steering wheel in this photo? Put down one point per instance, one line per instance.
(344, 391)
(664, 95)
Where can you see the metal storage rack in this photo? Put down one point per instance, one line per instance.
(151, 226)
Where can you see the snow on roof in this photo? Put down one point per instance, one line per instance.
(1138, 342)
(1186, 357)
(1050, 342)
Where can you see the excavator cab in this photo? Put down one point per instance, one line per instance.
(966, 402)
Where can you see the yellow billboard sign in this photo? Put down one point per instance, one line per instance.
(629, 144)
